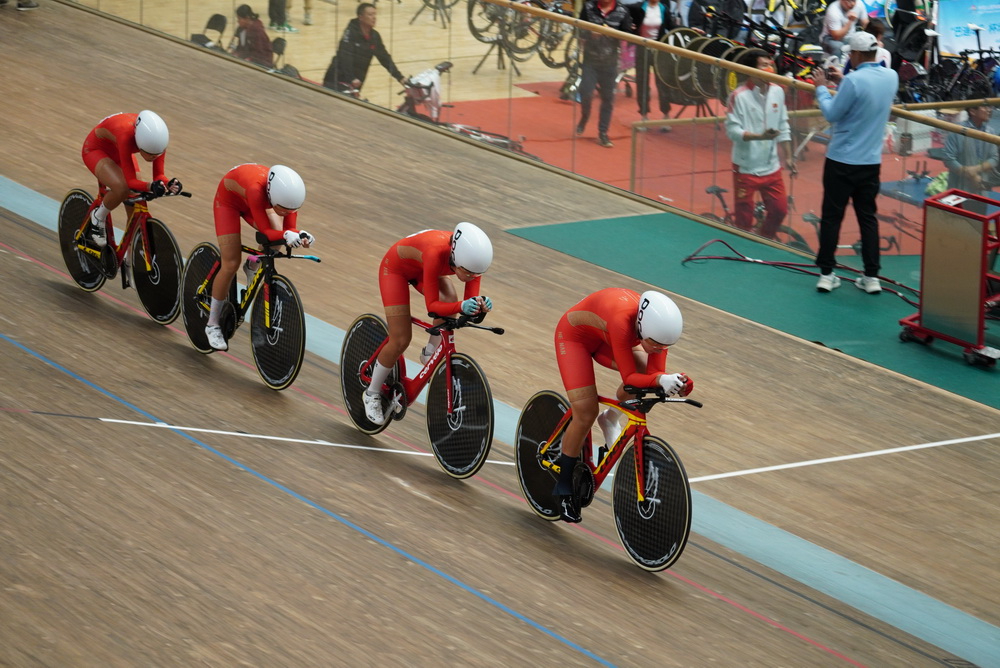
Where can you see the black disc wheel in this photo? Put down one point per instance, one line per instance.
(361, 340)
(156, 272)
(196, 293)
(654, 528)
(538, 420)
(461, 439)
(83, 267)
(278, 333)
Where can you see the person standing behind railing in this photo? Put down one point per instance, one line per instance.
(600, 63)
(853, 166)
(650, 19)
(757, 124)
(359, 44)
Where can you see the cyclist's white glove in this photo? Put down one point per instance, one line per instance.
(295, 239)
(470, 306)
(676, 383)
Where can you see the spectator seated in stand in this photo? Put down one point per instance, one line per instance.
(251, 42)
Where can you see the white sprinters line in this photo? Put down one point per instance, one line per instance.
(843, 458)
(264, 437)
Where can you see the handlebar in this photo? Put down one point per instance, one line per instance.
(451, 324)
(275, 249)
(148, 196)
(647, 397)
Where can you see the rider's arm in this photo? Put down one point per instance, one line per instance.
(257, 215)
(621, 334)
(434, 268)
(159, 168)
(127, 162)
(472, 288)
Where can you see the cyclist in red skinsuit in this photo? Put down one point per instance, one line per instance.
(619, 329)
(425, 260)
(109, 152)
(268, 198)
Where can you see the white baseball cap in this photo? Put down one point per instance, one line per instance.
(861, 42)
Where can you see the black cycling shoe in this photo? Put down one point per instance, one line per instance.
(569, 509)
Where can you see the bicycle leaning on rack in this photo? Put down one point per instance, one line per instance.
(146, 244)
(459, 402)
(651, 497)
(277, 322)
(786, 235)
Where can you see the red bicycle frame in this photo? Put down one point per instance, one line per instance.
(635, 429)
(412, 387)
(140, 213)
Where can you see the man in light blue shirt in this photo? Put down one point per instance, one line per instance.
(858, 114)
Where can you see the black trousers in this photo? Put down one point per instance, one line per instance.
(643, 65)
(276, 11)
(600, 75)
(860, 184)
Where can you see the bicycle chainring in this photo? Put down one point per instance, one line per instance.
(583, 484)
(397, 396)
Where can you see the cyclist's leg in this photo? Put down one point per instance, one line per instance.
(227, 229)
(576, 366)
(112, 180)
(396, 301)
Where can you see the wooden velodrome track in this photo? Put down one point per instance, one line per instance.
(128, 544)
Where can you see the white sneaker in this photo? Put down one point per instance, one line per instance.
(425, 354)
(215, 338)
(308, 19)
(827, 283)
(97, 232)
(373, 407)
(869, 284)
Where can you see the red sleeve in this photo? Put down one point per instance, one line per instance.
(434, 268)
(159, 172)
(621, 332)
(126, 161)
(258, 205)
(472, 288)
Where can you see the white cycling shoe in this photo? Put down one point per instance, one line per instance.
(215, 338)
(373, 407)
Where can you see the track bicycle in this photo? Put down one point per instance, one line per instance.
(147, 251)
(785, 235)
(422, 100)
(277, 321)
(651, 497)
(460, 416)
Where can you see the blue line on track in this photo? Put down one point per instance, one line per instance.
(368, 534)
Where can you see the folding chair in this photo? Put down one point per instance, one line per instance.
(278, 48)
(217, 25)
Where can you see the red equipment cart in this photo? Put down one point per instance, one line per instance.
(959, 286)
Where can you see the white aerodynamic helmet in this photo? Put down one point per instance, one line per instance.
(659, 318)
(471, 248)
(151, 134)
(285, 187)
